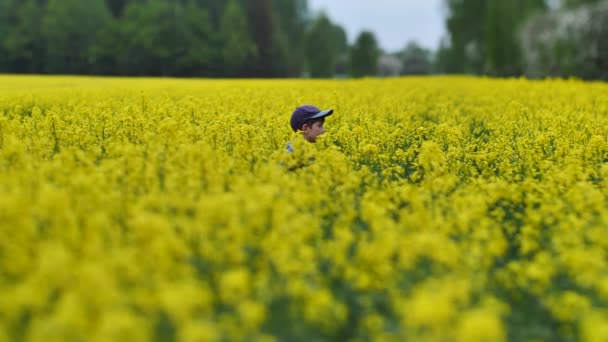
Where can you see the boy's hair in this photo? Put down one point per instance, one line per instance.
(312, 122)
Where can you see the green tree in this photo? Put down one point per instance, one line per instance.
(201, 54)
(483, 35)
(156, 36)
(271, 58)
(292, 19)
(364, 55)
(237, 45)
(320, 48)
(24, 44)
(104, 54)
(341, 46)
(117, 7)
(8, 20)
(502, 51)
(340, 39)
(445, 61)
(578, 49)
(501, 43)
(263, 38)
(70, 29)
(215, 8)
(464, 23)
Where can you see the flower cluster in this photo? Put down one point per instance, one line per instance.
(433, 209)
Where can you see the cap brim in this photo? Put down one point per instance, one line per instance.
(323, 114)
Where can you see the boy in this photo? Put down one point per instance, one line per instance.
(308, 119)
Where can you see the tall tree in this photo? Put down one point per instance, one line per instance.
(445, 61)
(105, 53)
(156, 37)
(578, 49)
(201, 55)
(24, 44)
(341, 46)
(483, 35)
(8, 20)
(502, 51)
(364, 55)
(215, 8)
(320, 48)
(340, 39)
(501, 42)
(71, 29)
(237, 45)
(464, 24)
(271, 60)
(116, 7)
(292, 19)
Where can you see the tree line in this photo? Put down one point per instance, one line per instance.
(535, 38)
(207, 38)
(284, 38)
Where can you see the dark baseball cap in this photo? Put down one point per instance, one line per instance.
(305, 113)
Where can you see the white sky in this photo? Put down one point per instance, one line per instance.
(394, 22)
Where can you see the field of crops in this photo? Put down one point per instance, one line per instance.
(433, 209)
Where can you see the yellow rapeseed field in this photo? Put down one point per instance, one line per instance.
(433, 209)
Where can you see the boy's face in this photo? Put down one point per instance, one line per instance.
(312, 131)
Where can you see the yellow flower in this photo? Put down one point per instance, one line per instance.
(122, 325)
(136, 207)
(252, 314)
(569, 306)
(481, 325)
(200, 331)
(234, 285)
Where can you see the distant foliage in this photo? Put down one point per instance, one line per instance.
(322, 51)
(525, 37)
(570, 42)
(212, 38)
(416, 60)
(364, 55)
